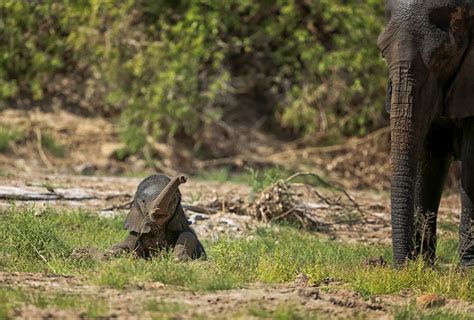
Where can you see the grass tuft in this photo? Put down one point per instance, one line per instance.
(163, 306)
(261, 179)
(34, 238)
(14, 298)
(7, 136)
(50, 144)
(412, 312)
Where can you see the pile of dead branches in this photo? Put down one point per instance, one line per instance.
(299, 204)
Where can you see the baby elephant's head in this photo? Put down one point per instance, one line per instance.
(164, 206)
(156, 202)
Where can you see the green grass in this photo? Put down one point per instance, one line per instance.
(224, 174)
(259, 179)
(41, 241)
(6, 173)
(10, 298)
(56, 149)
(448, 226)
(163, 306)
(412, 312)
(122, 153)
(7, 136)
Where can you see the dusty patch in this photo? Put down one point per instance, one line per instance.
(129, 302)
(133, 302)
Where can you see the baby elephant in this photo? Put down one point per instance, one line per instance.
(157, 223)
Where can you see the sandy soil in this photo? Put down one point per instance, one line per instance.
(325, 300)
(127, 303)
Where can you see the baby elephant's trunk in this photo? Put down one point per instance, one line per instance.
(159, 207)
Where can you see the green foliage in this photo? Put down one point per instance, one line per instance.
(7, 136)
(50, 144)
(122, 153)
(261, 179)
(171, 67)
(224, 174)
(331, 53)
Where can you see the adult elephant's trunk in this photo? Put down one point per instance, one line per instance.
(406, 143)
(160, 205)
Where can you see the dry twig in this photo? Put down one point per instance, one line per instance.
(121, 206)
(39, 146)
(333, 148)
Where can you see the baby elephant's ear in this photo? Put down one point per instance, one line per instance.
(135, 220)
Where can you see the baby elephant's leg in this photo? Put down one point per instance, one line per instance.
(185, 246)
(127, 246)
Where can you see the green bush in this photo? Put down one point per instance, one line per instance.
(7, 136)
(170, 67)
(57, 149)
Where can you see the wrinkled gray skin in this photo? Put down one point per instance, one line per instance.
(429, 49)
(157, 222)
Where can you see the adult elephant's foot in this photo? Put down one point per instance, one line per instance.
(466, 243)
(466, 227)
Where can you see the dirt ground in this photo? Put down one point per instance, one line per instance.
(60, 182)
(330, 301)
(336, 303)
(324, 300)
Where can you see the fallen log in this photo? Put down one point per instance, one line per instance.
(33, 194)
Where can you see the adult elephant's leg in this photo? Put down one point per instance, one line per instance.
(432, 170)
(466, 229)
(432, 173)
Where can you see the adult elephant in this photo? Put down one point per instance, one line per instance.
(429, 49)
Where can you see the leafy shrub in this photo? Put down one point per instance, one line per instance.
(56, 148)
(6, 137)
(171, 67)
